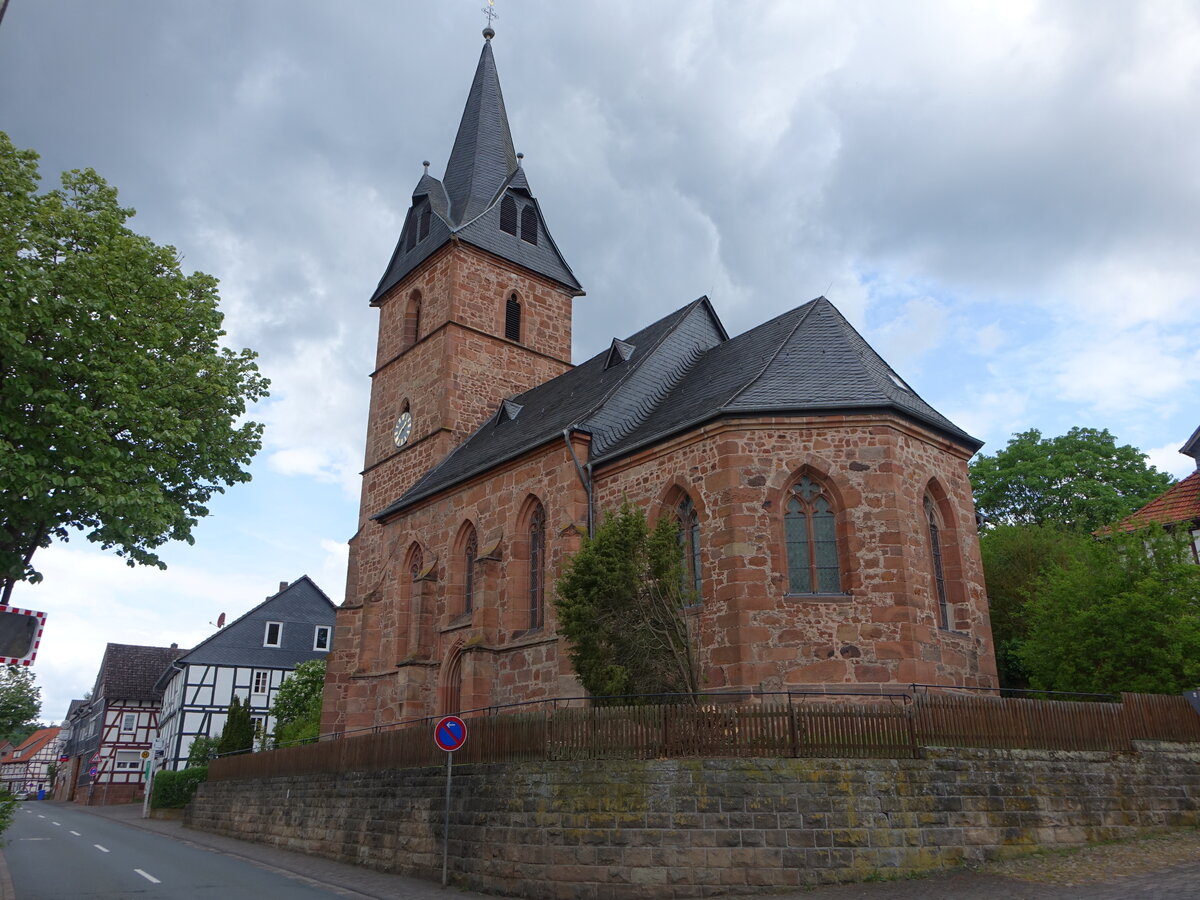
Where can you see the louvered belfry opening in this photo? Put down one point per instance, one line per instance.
(512, 318)
(426, 217)
(508, 216)
(529, 225)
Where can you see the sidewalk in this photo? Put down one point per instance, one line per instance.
(1149, 868)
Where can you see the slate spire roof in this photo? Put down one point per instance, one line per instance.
(483, 170)
(683, 371)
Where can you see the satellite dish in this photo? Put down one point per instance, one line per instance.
(220, 623)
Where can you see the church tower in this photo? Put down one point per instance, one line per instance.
(475, 304)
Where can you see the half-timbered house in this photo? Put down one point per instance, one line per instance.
(249, 658)
(119, 723)
(26, 770)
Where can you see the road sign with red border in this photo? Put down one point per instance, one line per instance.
(450, 733)
(20, 635)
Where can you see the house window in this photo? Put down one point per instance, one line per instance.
(529, 225)
(273, 635)
(127, 761)
(321, 637)
(689, 549)
(128, 722)
(811, 535)
(935, 551)
(470, 552)
(508, 216)
(512, 318)
(537, 568)
(262, 681)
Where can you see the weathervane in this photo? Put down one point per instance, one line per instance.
(490, 12)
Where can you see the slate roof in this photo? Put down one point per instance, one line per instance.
(301, 606)
(482, 170)
(683, 371)
(129, 672)
(1180, 503)
(1192, 447)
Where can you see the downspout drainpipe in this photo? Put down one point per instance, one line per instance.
(585, 478)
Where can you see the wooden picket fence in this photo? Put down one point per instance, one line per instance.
(896, 726)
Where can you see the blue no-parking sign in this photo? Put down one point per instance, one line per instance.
(450, 733)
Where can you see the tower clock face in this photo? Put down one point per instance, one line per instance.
(403, 429)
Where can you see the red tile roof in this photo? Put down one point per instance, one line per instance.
(1181, 503)
(33, 744)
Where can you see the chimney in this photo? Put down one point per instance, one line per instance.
(283, 586)
(174, 646)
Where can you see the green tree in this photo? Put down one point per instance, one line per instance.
(620, 602)
(202, 750)
(1015, 557)
(238, 734)
(1079, 481)
(297, 707)
(120, 413)
(20, 703)
(1123, 614)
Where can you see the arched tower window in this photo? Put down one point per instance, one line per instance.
(512, 318)
(470, 553)
(689, 549)
(508, 215)
(537, 567)
(528, 224)
(412, 319)
(935, 551)
(810, 531)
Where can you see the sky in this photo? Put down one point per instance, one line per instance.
(1003, 197)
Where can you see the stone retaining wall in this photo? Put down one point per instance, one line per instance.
(685, 828)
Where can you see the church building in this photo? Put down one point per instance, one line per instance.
(825, 517)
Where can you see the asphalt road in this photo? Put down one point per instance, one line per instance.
(61, 854)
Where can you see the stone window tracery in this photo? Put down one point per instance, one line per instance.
(810, 532)
(938, 570)
(537, 568)
(689, 549)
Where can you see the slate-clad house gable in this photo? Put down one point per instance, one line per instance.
(825, 515)
(250, 658)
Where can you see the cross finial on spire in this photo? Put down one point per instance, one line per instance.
(490, 12)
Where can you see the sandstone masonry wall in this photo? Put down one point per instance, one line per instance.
(685, 828)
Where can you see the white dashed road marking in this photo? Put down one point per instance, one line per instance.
(101, 849)
(76, 833)
(59, 824)
(150, 878)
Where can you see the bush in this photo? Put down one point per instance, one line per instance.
(174, 790)
(8, 810)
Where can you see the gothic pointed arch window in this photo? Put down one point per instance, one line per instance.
(810, 532)
(537, 567)
(529, 222)
(508, 216)
(512, 318)
(452, 684)
(470, 554)
(938, 569)
(691, 579)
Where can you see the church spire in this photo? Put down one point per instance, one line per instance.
(483, 156)
(483, 200)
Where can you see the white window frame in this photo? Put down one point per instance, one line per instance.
(278, 635)
(127, 761)
(261, 679)
(327, 631)
(128, 723)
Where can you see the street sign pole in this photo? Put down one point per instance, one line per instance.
(446, 821)
(450, 733)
